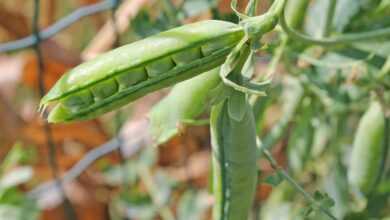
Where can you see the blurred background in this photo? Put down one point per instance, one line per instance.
(308, 120)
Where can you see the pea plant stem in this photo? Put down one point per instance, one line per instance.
(385, 70)
(329, 17)
(294, 184)
(333, 41)
(296, 11)
(251, 7)
(278, 130)
(277, 57)
(386, 146)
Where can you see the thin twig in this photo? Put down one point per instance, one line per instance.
(289, 179)
(58, 26)
(329, 18)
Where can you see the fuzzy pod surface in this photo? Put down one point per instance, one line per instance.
(234, 162)
(368, 149)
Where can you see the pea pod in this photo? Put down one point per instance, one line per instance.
(134, 70)
(189, 99)
(368, 149)
(234, 161)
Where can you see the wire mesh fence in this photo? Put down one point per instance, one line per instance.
(34, 41)
(125, 145)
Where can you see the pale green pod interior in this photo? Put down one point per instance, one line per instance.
(159, 66)
(131, 77)
(186, 56)
(58, 112)
(104, 89)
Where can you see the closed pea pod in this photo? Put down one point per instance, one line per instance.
(234, 162)
(132, 71)
(368, 149)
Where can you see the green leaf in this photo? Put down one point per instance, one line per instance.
(345, 12)
(26, 211)
(384, 5)
(301, 138)
(381, 48)
(16, 177)
(219, 93)
(248, 70)
(305, 212)
(143, 24)
(315, 21)
(323, 199)
(132, 205)
(15, 156)
(336, 185)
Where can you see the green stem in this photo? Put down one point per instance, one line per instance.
(333, 41)
(293, 183)
(296, 11)
(277, 7)
(329, 17)
(385, 70)
(276, 58)
(251, 7)
(289, 109)
(385, 150)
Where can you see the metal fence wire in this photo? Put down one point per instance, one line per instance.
(33, 41)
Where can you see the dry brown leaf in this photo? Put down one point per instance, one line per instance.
(14, 22)
(10, 124)
(176, 151)
(87, 133)
(263, 191)
(224, 5)
(56, 61)
(195, 170)
(53, 70)
(88, 2)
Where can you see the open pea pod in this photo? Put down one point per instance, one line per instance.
(134, 70)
